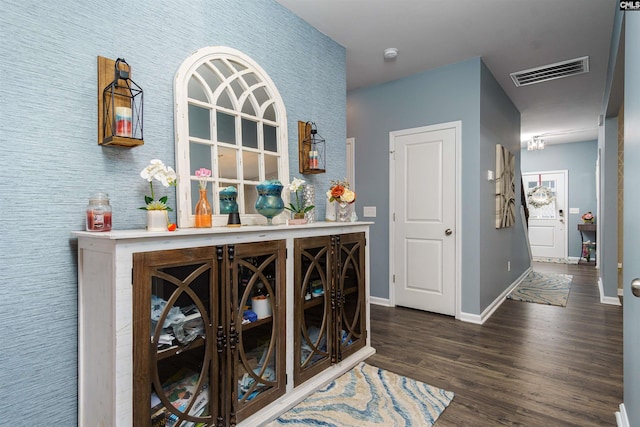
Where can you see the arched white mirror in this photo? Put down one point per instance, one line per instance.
(231, 120)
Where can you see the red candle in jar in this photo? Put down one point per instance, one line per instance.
(98, 215)
(98, 221)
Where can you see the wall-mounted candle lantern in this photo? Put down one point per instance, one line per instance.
(311, 149)
(120, 105)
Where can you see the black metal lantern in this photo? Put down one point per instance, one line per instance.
(312, 150)
(122, 109)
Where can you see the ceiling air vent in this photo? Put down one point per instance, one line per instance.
(572, 67)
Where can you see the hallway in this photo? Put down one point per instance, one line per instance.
(528, 365)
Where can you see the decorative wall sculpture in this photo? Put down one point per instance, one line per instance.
(505, 188)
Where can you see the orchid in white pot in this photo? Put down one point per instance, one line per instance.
(299, 209)
(166, 175)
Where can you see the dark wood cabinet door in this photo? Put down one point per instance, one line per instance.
(257, 330)
(349, 273)
(313, 324)
(174, 309)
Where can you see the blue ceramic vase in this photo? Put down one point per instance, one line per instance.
(269, 202)
(228, 203)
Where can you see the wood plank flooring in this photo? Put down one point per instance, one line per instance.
(528, 365)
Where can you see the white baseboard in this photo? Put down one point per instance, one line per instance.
(605, 299)
(621, 417)
(486, 314)
(380, 301)
(610, 301)
(573, 260)
(620, 292)
(471, 318)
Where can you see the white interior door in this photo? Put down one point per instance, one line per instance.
(423, 203)
(547, 202)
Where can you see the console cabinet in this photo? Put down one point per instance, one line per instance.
(218, 327)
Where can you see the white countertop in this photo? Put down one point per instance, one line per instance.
(220, 230)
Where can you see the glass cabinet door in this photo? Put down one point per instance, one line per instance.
(258, 301)
(350, 293)
(313, 326)
(175, 375)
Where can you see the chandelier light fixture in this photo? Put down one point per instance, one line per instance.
(535, 143)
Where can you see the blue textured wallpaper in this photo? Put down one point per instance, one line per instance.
(51, 162)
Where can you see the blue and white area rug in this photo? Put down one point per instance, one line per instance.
(369, 396)
(543, 288)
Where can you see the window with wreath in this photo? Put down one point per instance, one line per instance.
(230, 119)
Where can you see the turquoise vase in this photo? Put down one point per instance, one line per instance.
(228, 203)
(269, 202)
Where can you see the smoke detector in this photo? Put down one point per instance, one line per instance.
(390, 53)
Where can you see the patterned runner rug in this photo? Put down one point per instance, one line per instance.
(543, 288)
(369, 396)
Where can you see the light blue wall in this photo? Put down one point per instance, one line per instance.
(499, 124)
(445, 94)
(51, 161)
(579, 158)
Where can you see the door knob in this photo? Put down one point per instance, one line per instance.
(448, 232)
(635, 287)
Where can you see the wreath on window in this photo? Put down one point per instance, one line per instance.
(540, 196)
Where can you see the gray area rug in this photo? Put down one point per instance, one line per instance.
(543, 288)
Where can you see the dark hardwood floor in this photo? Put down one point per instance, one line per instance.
(528, 365)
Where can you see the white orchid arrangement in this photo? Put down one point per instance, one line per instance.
(167, 177)
(299, 207)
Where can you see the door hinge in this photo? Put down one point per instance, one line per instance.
(394, 278)
(394, 217)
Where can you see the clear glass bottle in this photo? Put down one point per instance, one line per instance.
(99, 215)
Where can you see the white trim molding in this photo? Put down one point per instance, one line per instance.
(380, 301)
(488, 312)
(621, 417)
(605, 299)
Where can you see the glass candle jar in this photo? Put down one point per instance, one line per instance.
(99, 213)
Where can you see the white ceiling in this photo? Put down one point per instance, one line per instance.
(509, 35)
